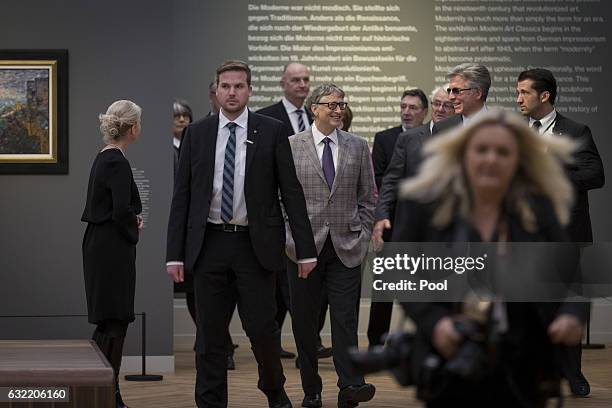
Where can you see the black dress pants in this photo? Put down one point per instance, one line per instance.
(342, 285)
(380, 321)
(227, 259)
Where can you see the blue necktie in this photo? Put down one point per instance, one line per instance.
(227, 194)
(328, 163)
(301, 125)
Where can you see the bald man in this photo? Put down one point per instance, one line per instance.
(290, 110)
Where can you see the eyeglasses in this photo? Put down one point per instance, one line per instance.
(446, 105)
(333, 105)
(457, 91)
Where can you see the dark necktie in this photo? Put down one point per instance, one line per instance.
(536, 126)
(227, 194)
(301, 125)
(328, 163)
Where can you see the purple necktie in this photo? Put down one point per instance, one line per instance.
(328, 163)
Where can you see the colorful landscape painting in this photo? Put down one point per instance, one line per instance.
(24, 110)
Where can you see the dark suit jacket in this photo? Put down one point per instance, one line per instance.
(448, 123)
(382, 150)
(175, 154)
(404, 163)
(278, 112)
(269, 168)
(586, 173)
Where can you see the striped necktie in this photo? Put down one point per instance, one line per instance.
(301, 125)
(227, 194)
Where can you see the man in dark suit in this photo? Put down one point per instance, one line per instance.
(290, 110)
(404, 162)
(413, 110)
(536, 93)
(226, 225)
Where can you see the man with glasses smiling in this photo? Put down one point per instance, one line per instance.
(335, 170)
(468, 89)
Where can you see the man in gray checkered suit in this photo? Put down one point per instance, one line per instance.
(335, 170)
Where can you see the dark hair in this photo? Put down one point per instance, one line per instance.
(234, 65)
(181, 107)
(543, 80)
(417, 92)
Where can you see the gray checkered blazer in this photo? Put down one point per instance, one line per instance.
(347, 211)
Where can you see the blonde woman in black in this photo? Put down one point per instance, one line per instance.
(113, 225)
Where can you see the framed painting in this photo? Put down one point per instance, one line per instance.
(33, 111)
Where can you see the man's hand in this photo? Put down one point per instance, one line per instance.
(304, 269)
(445, 338)
(377, 233)
(176, 272)
(140, 222)
(566, 329)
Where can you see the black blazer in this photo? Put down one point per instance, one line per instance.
(448, 123)
(586, 173)
(404, 163)
(382, 150)
(278, 112)
(269, 168)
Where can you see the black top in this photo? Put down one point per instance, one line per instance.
(112, 194)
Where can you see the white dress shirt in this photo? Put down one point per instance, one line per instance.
(240, 212)
(176, 142)
(319, 145)
(293, 117)
(548, 123)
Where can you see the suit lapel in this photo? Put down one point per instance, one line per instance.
(283, 113)
(209, 147)
(311, 152)
(252, 135)
(343, 147)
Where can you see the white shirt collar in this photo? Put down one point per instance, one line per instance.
(546, 121)
(176, 142)
(289, 107)
(241, 120)
(318, 136)
(431, 125)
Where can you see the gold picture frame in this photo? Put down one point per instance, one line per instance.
(33, 112)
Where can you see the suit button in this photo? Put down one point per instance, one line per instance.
(330, 202)
(327, 223)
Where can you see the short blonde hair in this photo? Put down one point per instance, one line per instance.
(441, 178)
(120, 116)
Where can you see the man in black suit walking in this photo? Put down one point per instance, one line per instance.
(536, 92)
(413, 110)
(226, 225)
(290, 110)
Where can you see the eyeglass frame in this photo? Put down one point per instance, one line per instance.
(336, 105)
(446, 105)
(458, 91)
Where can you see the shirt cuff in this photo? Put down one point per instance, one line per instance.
(172, 263)
(307, 260)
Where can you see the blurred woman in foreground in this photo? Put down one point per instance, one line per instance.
(493, 180)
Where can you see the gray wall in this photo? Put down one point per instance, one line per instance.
(117, 50)
(148, 52)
